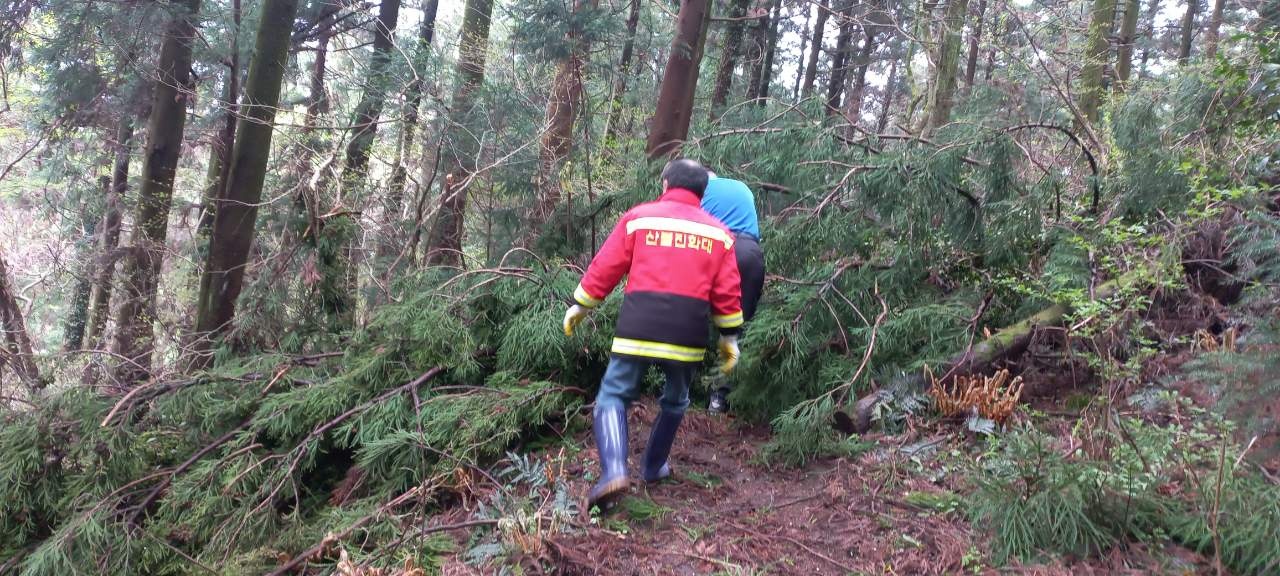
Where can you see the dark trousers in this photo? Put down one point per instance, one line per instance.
(751, 269)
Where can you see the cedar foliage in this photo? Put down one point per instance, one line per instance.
(80, 472)
(1036, 499)
(909, 242)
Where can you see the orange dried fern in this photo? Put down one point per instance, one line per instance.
(346, 567)
(1204, 340)
(993, 397)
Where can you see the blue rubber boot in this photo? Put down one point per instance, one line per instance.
(659, 448)
(610, 429)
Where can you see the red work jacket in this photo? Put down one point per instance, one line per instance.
(680, 270)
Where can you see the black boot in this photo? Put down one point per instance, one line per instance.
(610, 429)
(659, 448)
(719, 403)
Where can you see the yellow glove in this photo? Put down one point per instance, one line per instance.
(573, 316)
(729, 352)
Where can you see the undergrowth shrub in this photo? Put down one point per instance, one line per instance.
(1238, 521)
(1033, 499)
(1155, 482)
(804, 432)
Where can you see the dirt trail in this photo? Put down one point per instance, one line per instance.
(730, 515)
(727, 514)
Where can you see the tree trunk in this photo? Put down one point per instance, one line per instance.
(219, 154)
(1124, 50)
(224, 140)
(729, 55)
(853, 104)
(234, 226)
(811, 67)
(15, 349)
(1215, 26)
(1188, 31)
(942, 95)
(890, 91)
(771, 48)
(392, 239)
(686, 107)
(804, 45)
(134, 341)
(1097, 54)
(921, 29)
(996, 20)
(971, 67)
(330, 293)
(78, 318)
(562, 109)
(840, 59)
(756, 44)
(670, 125)
(341, 269)
(317, 106)
(614, 126)
(108, 249)
(110, 239)
(364, 123)
(1153, 8)
(317, 97)
(445, 246)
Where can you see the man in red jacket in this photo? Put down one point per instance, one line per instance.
(681, 272)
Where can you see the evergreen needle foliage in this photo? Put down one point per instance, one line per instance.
(1033, 499)
(399, 331)
(1183, 484)
(246, 459)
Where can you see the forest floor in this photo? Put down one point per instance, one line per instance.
(894, 509)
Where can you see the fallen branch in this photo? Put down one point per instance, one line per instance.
(303, 446)
(802, 545)
(691, 555)
(866, 355)
(787, 503)
(1094, 187)
(398, 500)
(155, 492)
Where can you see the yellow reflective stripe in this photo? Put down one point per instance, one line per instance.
(657, 350)
(678, 225)
(728, 320)
(585, 299)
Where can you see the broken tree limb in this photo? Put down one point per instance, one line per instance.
(1007, 343)
(333, 539)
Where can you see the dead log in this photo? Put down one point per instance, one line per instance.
(1007, 343)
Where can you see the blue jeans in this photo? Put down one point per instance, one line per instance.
(621, 383)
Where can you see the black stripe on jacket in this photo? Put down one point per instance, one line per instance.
(663, 317)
